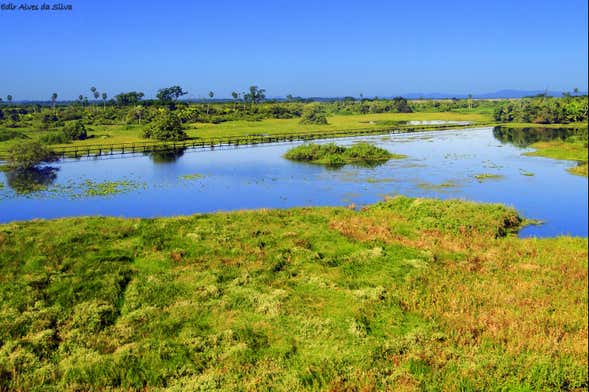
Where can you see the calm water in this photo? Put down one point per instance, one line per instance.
(256, 177)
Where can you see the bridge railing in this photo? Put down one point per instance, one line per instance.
(82, 150)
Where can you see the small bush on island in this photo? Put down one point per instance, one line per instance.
(313, 114)
(167, 127)
(28, 155)
(334, 155)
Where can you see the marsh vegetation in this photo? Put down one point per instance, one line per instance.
(403, 294)
(334, 155)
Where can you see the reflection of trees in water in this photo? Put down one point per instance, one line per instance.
(167, 156)
(523, 137)
(26, 181)
(362, 164)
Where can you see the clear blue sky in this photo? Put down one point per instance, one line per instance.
(303, 47)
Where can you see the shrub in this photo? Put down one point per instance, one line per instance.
(313, 114)
(55, 138)
(28, 155)
(166, 127)
(313, 152)
(7, 134)
(75, 131)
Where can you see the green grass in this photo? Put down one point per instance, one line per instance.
(407, 294)
(487, 176)
(443, 185)
(334, 155)
(566, 150)
(526, 173)
(108, 188)
(190, 177)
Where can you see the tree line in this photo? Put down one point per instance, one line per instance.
(543, 110)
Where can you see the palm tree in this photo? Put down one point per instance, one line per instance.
(95, 94)
(211, 95)
(104, 96)
(9, 98)
(138, 112)
(234, 95)
(53, 99)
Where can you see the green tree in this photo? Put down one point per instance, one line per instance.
(28, 155)
(166, 127)
(104, 96)
(255, 95)
(53, 100)
(170, 94)
(75, 131)
(211, 95)
(234, 95)
(137, 113)
(9, 98)
(129, 98)
(95, 94)
(314, 113)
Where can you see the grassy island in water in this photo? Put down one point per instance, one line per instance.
(334, 155)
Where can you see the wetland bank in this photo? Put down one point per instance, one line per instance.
(330, 273)
(481, 164)
(271, 196)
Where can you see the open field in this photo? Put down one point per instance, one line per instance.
(408, 294)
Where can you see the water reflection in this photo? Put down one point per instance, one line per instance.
(167, 156)
(523, 137)
(438, 164)
(27, 181)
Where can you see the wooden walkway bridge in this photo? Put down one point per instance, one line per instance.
(96, 150)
